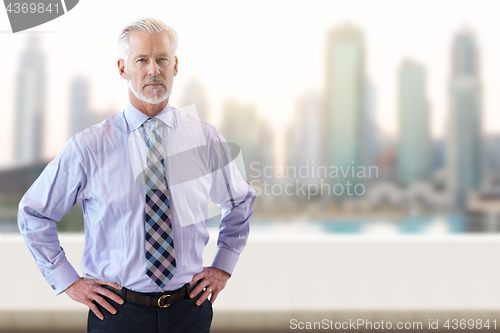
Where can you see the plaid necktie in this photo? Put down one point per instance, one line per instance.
(160, 255)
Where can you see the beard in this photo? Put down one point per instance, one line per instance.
(140, 94)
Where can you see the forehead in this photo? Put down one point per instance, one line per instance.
(146, 43)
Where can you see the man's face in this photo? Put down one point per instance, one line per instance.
(151, 66)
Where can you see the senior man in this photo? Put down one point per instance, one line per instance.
(145, 177)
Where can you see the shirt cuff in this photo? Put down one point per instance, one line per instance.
(62, 277)
(225, 260)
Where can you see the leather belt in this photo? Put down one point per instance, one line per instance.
(162, 300)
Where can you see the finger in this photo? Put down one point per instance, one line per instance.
(203, 297)
(95, 310)
(111, 284)
(214, 296)
(111, 295)
(196, 277)
(197, 289)
(105, 304)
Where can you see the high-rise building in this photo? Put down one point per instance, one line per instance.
(304, 142)
(464, 151)
(30, 104)
(195, 93)
(345, 100)
(80, 114)
(240, 126)
(373, 147)
(414, 154)
(492, 160)
(265, 142)
(438, 160)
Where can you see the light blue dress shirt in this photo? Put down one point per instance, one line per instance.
(101, 166)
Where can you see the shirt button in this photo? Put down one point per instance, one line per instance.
(53, 287)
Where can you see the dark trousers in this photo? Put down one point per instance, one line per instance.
(182, 316)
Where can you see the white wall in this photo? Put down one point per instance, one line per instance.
(283, 277)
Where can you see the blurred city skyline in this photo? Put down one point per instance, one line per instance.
(81, 115)
(335, 125)
(274, 90)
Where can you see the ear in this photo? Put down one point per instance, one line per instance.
(121, 68)
(176, 68)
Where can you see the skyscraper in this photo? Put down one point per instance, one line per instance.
(195, 93)
(240, 126)
(464, 153)
(30, 104)
(304, 134)
(414, 141)
(345, 98)
(372, 134)
(80, 114)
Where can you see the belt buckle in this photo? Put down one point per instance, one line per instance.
(166, 305)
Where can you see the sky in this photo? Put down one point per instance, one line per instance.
(264, 53)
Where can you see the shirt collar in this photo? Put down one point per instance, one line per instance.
(136, 118)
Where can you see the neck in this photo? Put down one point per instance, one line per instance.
(148, 109)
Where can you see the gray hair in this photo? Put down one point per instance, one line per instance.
(149, 25)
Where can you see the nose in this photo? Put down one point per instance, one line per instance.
(154, 69)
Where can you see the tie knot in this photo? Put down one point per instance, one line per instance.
(153, 123)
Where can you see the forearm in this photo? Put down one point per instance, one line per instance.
(233, 234)
(40, 235)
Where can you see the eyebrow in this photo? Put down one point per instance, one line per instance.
(146, 56)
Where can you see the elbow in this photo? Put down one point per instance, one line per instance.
(26, 213)
(21, 216)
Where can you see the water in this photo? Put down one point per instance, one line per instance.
(412, 225)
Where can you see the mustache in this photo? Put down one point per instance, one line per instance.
(154, 79)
